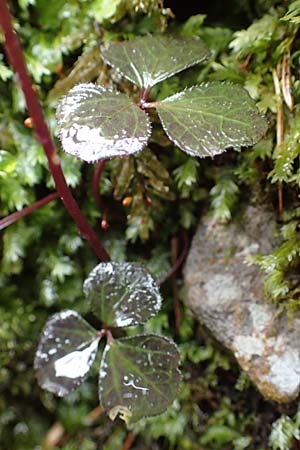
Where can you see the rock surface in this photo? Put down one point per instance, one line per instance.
(226, 295)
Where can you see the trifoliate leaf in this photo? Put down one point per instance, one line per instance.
(122, 294)
(207, 119)
(66, 351)
(139, 376)
(95, 123)
(147, 60)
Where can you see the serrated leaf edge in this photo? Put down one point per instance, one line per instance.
(104, 90)
(187, 66)
(134, 322)
(126, 418)
(188, 149)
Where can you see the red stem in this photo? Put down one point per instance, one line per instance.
(144, 94)
(15, 56)
(6, 221)
(161, 280)
(175, 288)
(129, 441)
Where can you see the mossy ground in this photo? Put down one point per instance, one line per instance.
(44, 261)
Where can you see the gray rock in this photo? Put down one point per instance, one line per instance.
(226, 294)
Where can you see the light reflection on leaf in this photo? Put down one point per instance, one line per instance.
(147, 60)
(207, 119)
(95, 123)
(66, 351)
(122, 294)
(139, 375)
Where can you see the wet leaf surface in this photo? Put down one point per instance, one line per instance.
(147, 60)
(207, 119)
(139, 376)
(95, 123)
(66, 351)
(122, 294)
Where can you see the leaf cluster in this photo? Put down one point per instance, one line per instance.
(204, 120)
(138, 375)
(45, 246)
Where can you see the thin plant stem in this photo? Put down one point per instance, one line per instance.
(161, 280)
(144, 94)
(175, 288)
(279, 131)
(286, 82)
(12, 218)
(129, 441)
(147, 105)
(16, 58)
(56, 435)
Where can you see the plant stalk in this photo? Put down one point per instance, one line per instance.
(15, 56)
(8, 220)
(163, 278)
(279, 131)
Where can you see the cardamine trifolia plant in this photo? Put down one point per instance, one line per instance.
(138, 375)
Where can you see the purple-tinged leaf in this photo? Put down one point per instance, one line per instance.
(147, 60)
(122, 294)
(206, 120)
(95, 123)
(66, 351)
(139, 376)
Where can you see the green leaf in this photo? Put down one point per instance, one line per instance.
(224, 197)
(95, 123)
(5, 72)
(207, 119)
(122, 294)
(49, 15)
(258, 37)
(104, 9)
(139, 376)
(284, 431)
(293, 14)
(219, 435)
(147, 60)
(66, 351)
(286, 154)
(7, 163)
(186, 174)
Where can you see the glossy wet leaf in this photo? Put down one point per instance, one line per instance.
(95, 123)
(207, 119)
(66, 351)
(122, 294)
(139, 376)
(147, 60)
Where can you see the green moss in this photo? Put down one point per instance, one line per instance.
(43, 260)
